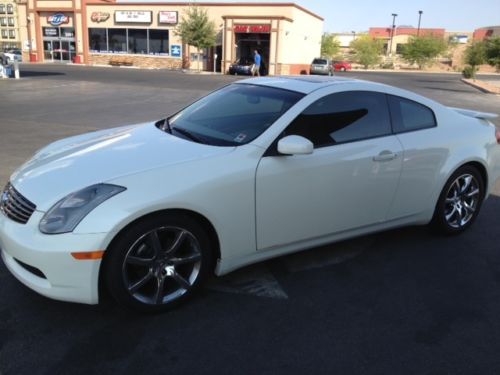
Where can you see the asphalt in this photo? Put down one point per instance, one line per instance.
(403, 301)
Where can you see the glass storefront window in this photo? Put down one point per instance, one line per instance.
(98, 40)
(140, 41)
(158, 42)
(117, 39)
(137, 41)
(67, 32)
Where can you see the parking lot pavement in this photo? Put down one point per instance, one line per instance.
(403, 301)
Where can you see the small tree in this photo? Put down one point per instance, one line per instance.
(330, 45)
(492, 52)
(474, 56)
(422, 50)
(367, 50)
(197, 30)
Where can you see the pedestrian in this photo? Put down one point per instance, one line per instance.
(257, 61)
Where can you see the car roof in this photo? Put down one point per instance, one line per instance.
(304, 84)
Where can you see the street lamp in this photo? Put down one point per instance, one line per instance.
(419, 18)
(394, 15)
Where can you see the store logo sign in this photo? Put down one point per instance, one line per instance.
(252, 29)
(57, 19)
(99, 16)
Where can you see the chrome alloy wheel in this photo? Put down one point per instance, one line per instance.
(162, 265)
(462, 200)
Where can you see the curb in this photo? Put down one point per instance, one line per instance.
(482, 86)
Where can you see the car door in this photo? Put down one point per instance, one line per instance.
(347, 182)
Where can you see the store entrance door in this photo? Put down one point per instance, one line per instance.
(59, 44)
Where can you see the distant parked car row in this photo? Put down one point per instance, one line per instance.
(323, 66)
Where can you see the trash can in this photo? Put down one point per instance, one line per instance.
(77, 59)
(33, 57)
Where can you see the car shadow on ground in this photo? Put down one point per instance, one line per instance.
(27, 74)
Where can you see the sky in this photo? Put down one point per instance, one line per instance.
(360, 15)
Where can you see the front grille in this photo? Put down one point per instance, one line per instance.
(15, 206)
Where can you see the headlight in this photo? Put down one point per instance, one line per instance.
(66, 214)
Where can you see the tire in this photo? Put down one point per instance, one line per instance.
(459, 202)
(158, 262)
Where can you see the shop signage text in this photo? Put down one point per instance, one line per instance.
(168, 17)
(57, 19)
(133, 16)
(252, 29)
(99, 16)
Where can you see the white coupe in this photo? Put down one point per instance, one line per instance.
(257, 169)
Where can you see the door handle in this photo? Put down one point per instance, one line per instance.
(385, 155)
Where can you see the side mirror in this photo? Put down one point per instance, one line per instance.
(295, 145)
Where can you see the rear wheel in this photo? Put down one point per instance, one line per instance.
(460, 201)
(157, 262)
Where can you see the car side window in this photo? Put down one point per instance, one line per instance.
(343, 117)
(408, 115)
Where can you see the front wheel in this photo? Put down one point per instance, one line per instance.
(460, 201)
(158, 262)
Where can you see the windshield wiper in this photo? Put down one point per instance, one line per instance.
(187, 134)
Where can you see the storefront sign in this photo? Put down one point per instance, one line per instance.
(252, 29)
(50, 31)
(57, 19)
(133, 16)
(99, 16)
(175, 50)
(168, 17)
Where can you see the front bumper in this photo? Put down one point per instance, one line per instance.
(44, 262)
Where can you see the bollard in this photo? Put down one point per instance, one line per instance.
(16, 69)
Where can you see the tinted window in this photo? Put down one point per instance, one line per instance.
(234, 115)
(408, 115)
(320, 61)
(343, 117)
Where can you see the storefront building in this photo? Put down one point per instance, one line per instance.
(122, 32)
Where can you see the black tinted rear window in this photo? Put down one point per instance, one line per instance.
(320, 61)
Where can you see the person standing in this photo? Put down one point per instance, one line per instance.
(257, 61)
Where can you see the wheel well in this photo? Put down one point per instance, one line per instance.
(202, 220)
(482, 172)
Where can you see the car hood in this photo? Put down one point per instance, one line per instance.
(77, 162)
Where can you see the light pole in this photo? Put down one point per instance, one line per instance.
(353, 35)
(394, 15)
(419, 18)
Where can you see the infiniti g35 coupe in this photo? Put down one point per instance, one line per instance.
(260, 168)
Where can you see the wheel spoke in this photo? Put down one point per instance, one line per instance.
(469, 208)
(178, 241)
(138, 261)
(181, 281)
(158, 298)
(186, 260)
(450, 215)
(139, 284)
(154, 242)
(472, 193)
(467, 180)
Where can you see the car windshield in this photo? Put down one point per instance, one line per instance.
(233, 115)
(245, 61)
(320, 61)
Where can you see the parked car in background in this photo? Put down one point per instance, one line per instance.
(321, 66)
(11, 56)
(242, 66)
(342, 66)
(258, 169)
